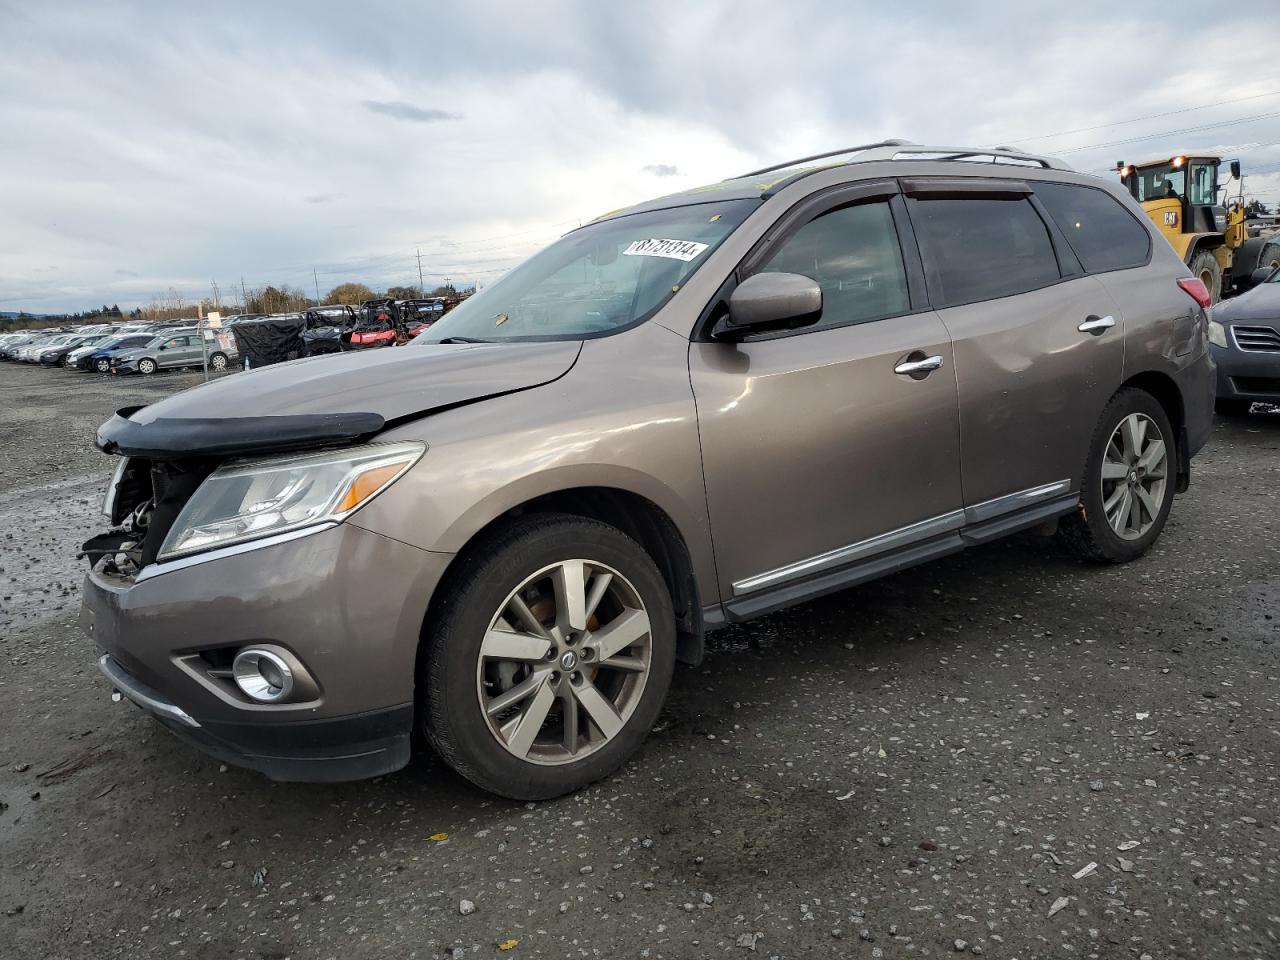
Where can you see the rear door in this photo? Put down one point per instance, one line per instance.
(1039, 345)
(817, 454)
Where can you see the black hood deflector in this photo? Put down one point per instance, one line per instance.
(171, 438)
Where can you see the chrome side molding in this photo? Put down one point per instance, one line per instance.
(903, 536)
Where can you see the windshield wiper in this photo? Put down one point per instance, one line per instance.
(464, 340)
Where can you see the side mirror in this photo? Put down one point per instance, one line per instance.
(1260, 275)
(771, 301)
(1235, 169)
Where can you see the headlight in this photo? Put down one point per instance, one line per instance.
(251, 499)
(1217, 334)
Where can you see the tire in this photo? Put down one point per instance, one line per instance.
(1091, 533)
(1231, 407)
(460, 684)
(217, 361)
(1270, 256)
(146, 365)
(1205, 267)
(102, 366)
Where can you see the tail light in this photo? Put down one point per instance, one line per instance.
(1196, 290)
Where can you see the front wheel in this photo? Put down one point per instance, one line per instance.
(1128, 484)
(102, 366)
(549, 659)
(146, 365)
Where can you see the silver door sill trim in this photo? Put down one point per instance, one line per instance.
(1015, 501)
(904, 536)
(901, 537)
(142, 695)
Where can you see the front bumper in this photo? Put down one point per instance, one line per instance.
(1252, 375)
(124, 366)
(347, 602)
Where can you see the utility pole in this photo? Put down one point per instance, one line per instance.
(422, 286)
(244, 297)
(317, 280)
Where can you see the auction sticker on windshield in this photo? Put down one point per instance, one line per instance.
(671, 249)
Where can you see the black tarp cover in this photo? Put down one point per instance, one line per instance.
(269, 340)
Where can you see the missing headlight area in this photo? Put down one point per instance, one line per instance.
(145, 499)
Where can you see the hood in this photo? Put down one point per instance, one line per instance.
(1260, 303)
(340, 397)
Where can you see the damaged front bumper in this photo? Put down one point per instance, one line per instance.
(348, 603)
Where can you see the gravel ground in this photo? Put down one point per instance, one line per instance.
(1004, 753)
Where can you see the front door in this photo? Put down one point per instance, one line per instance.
(817, 453)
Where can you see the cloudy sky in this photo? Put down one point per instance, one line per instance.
(151, 145)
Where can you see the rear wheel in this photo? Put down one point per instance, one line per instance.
(1231, 407)
(1128, 485)
(550, 658)
(1204, 265)
(218, 361)
(146, 365)
(1270, 257)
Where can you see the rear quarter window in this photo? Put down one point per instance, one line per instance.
(982, 248)
(1104, 235)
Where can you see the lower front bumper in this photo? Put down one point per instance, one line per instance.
(332, 750)
(1248, 375)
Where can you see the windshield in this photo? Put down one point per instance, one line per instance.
(597, 280)
(1155, 183)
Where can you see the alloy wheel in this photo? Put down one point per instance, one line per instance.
(564, 662)
(102, 366)
(1134, 476)
(146, 366)
(218, 362)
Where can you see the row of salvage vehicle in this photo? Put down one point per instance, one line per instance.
(148, 347)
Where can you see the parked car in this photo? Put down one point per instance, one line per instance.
(327, 328)
(98, 356)
(684, 414)
(172, 349)
(9, 349)
(56, 356)
(1245, 337)
(29, 352)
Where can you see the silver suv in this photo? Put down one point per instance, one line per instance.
(691, 412)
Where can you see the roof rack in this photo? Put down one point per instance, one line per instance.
(905, 149)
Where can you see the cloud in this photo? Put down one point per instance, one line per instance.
(556, 131)
(399, 110)
(125, 273)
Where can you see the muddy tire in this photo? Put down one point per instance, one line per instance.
(1128, 484)
(549, 659)
(1205, 267)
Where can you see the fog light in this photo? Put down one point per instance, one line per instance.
(262, 675)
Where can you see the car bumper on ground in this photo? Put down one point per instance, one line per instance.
(348, 603)
(1247, 374)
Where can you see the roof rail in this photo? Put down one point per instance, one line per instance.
(896, 149)
(823, 156)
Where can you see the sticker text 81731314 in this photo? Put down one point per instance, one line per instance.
(671, 249)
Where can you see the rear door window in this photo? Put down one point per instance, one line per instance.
(982, 248)
(853, 254)
(1104, 235)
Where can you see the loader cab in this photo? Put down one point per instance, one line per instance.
(1183, 190)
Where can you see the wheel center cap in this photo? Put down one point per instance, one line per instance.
(569, 660)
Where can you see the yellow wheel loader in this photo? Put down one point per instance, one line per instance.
(1181, 196)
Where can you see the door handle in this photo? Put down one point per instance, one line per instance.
(1096, 325)
(918, 367)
